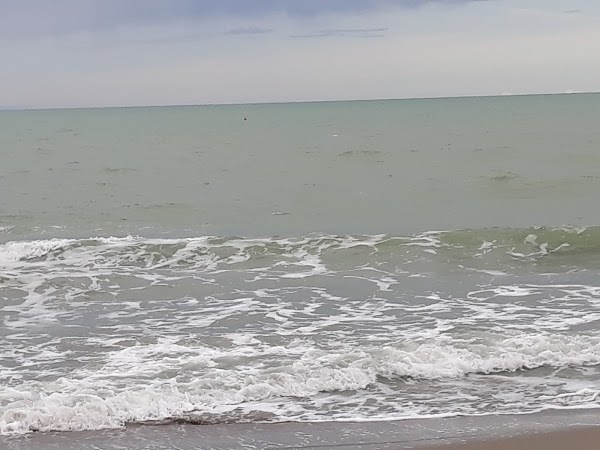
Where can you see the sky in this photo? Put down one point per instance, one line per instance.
(80, 53)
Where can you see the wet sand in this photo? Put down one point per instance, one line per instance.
(575, 439)
(578, 431)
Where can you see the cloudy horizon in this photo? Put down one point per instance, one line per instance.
(85, 53)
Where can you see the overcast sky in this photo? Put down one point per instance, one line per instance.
(57, 53)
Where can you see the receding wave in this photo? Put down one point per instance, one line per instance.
(131, 385)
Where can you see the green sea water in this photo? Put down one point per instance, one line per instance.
(308, 262)
(341, 167)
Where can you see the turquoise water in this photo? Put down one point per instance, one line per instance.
(323, 261)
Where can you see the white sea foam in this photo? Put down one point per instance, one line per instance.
(13, 252)
(130, 386)
(311, 328)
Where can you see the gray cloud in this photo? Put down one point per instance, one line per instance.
(357, 32)
(244, 31)
(27, 18)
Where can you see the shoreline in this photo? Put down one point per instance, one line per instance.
(546, 430)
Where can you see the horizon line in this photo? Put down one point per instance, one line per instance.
(191, 105)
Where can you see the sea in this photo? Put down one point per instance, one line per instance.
(308, 262)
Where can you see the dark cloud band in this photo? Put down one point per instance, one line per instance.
(38, 17)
